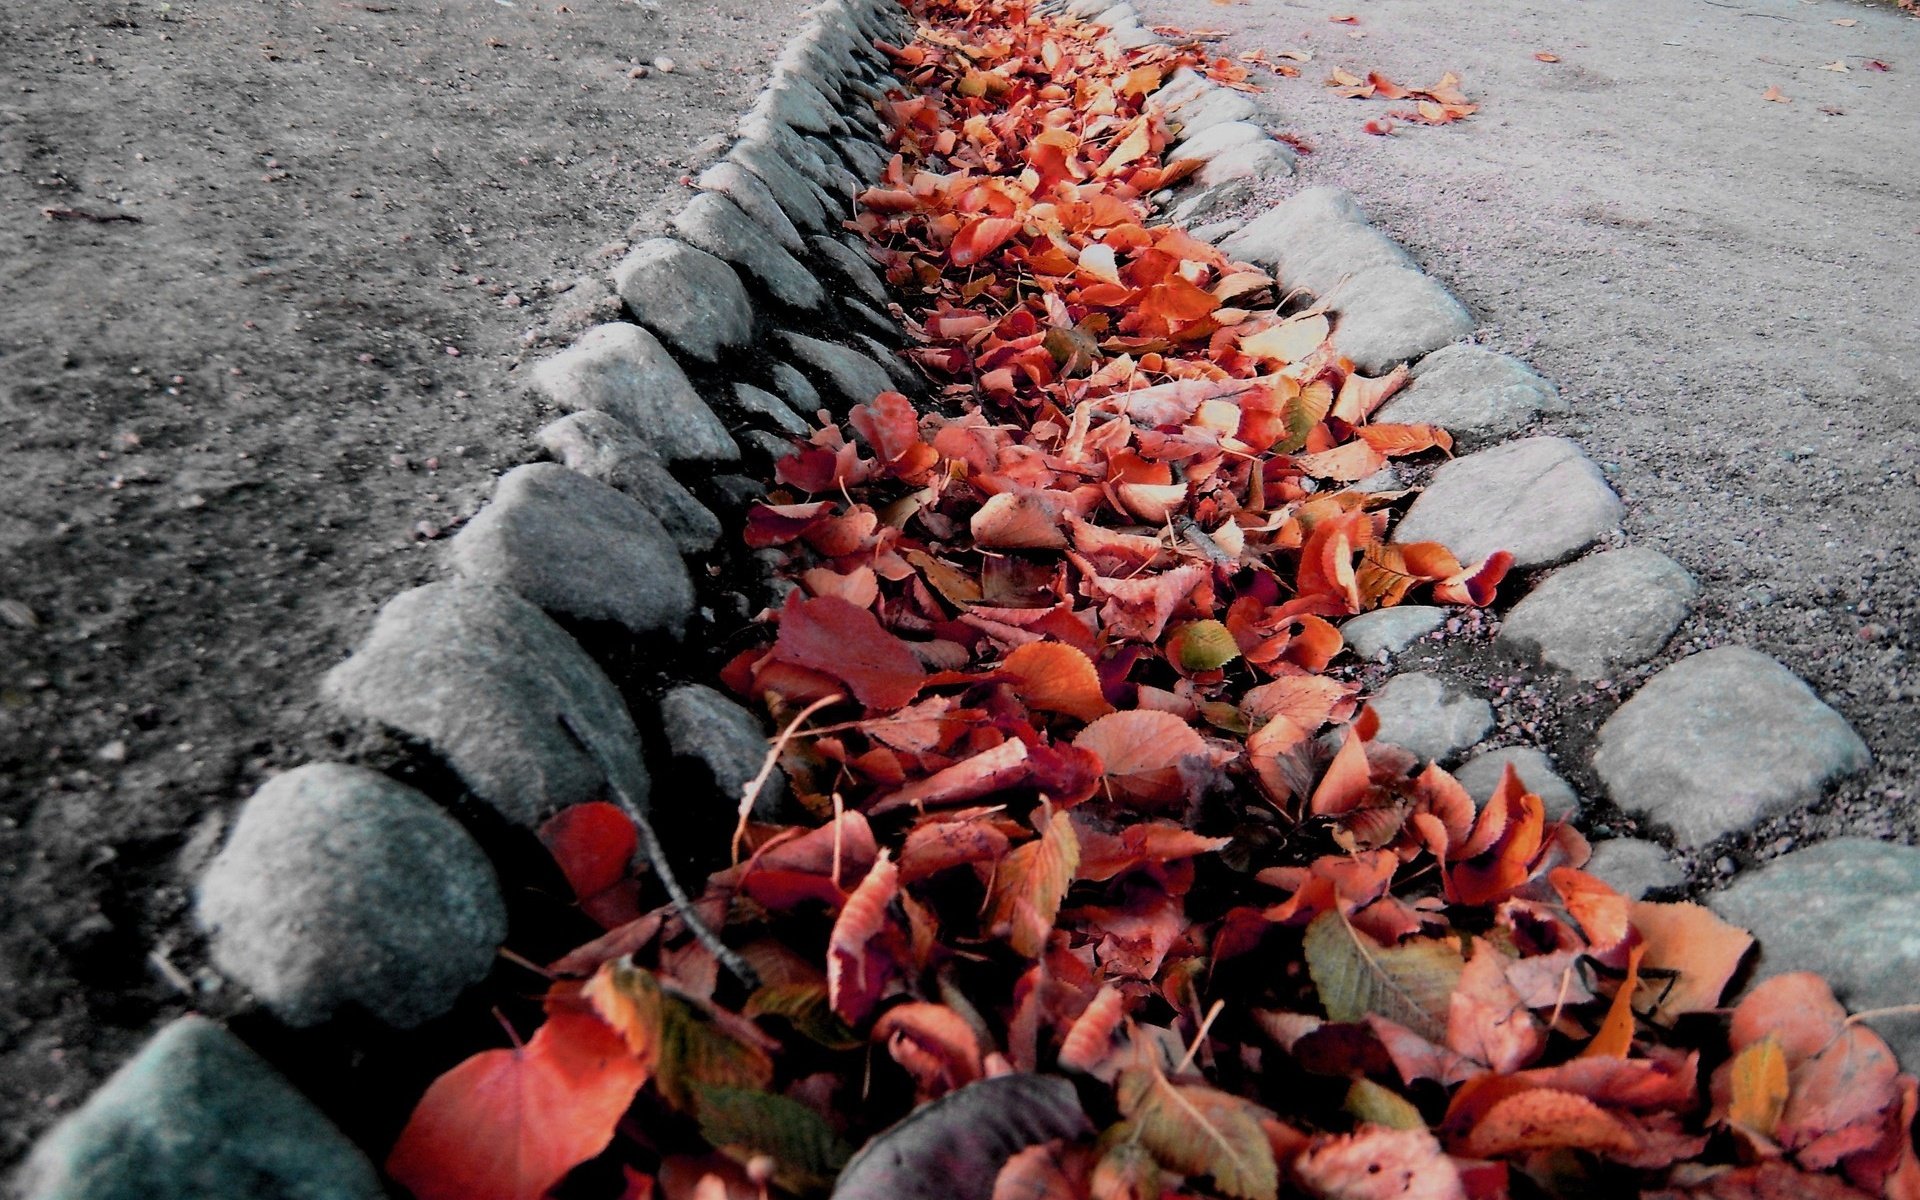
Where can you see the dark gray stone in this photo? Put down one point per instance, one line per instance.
(1480, 775)
(1477, 395)
(1539, 498)
(1209, 142)
(599, 447)
(623, 370)
(1389, 315)
(196, 1115)
(716, 225)
(866, 159)
(1844, 910)
(1248, 160)
(1390, 630)
(905, 378)
(1633, 867)
(769, 408)
(799, 394)
(725, 741)
(496, 687)
(856, 377)
(687, 296)
(578, 549)
(340, 888)
(1203, 202)
(755, 199)
(855, 268)
(1720, 741)
(874, 320)
(784, 180)
(1603, 613)
(1429, 716)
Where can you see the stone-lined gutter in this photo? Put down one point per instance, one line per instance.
(343, 893)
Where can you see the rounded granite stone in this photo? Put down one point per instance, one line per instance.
(1428, 716)
(685, 295)
(341, 888)
(1540, 499)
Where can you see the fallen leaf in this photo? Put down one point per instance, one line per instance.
(830, 635)
(1410, 984)
(1774, 94)
(1546, 57)
(1198, 1130)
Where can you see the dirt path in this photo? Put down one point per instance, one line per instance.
(1722, 286)
(232, 425)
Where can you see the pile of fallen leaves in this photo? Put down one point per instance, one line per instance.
(1093, 863)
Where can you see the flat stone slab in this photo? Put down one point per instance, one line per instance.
(1478, 395)
(1634, 867)
(1604, 613)
(784, 180)
(1389, 315)
(1430, 717)
(579, 549)
(1481, 774)
(623, 370)
(499, 690)
(716, 225)
(600, 447)
(1845, 910)
(1216, 107)
(1539, 498)
(687, 296)
(723, 740)
(196, 1115)
(755, 199)
(1721, 740)
(1390, 630)
(1212, 141)
(341, 888)
(1249, 160)
(855, 376)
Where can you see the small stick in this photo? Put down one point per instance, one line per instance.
(751, 791)
(80, 214)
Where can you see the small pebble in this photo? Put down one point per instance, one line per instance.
(663, 63)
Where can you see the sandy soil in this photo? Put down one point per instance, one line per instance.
(233, 427)
(1722, 286)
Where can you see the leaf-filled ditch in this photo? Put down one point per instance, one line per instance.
(1094, 882)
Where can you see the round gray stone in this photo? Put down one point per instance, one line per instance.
(793, 387)
(624, 370)
(1476, 394)
(1390, 630)
(1429, 716)
(1539, 498)
(1315, 239)
(498, 689)
(905, 378)
(1721, 740)
(1846, 911)
(1481, 774)
(687, 296)
(1218, 107)
(795, 102)
(716, 225)
(341, 888)
(1388, 315)
(579, 549)
(1250, 160)
(1603, 613)
(856, 377)
(853, 267)
(783, 179)
(1204, 202)
(196, 1115)
(1633, 867)
(770, 409)
(1210, 142)
(599, 447)
(723, 740)
(755, 199)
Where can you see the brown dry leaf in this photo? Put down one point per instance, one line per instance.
(1837, 64)
(1030, 883)
(1774, 94)
(1845, 22)
(1546, 57)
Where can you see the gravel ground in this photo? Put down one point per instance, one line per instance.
(234, 425)
(1721, 285)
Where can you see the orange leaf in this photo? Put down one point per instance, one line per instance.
(979, 238)
(1141, 752)
(1030, 884)
(859, 964)
(1091, 1036)
(1379, 1164)
(935, 1045)
(1692, 941)
(1546, 57)
(509, 1124)
(1024, 519)
(1544, 1119)
(1601, 911)
(1615, 1035)
(1055, 677)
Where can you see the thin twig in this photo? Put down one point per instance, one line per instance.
(751, 791)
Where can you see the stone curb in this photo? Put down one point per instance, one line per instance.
(342, 890)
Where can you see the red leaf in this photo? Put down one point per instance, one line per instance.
(860, 962)
(594, 845)
(829, 635)
(1141, 752)
(979, 238)
(509, 1124)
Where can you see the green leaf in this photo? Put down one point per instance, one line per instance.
(1376, 1105)
(1198, 1130)
(1303, 412)
(744, 1123)
(1409, 984)
(1205, 646)
(806, 1008)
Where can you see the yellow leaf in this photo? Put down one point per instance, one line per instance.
(1376, 1105)
(1410, 984)
(1759, 1079)
(1288, 342)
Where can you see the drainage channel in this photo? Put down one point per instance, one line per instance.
(1092, 852)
